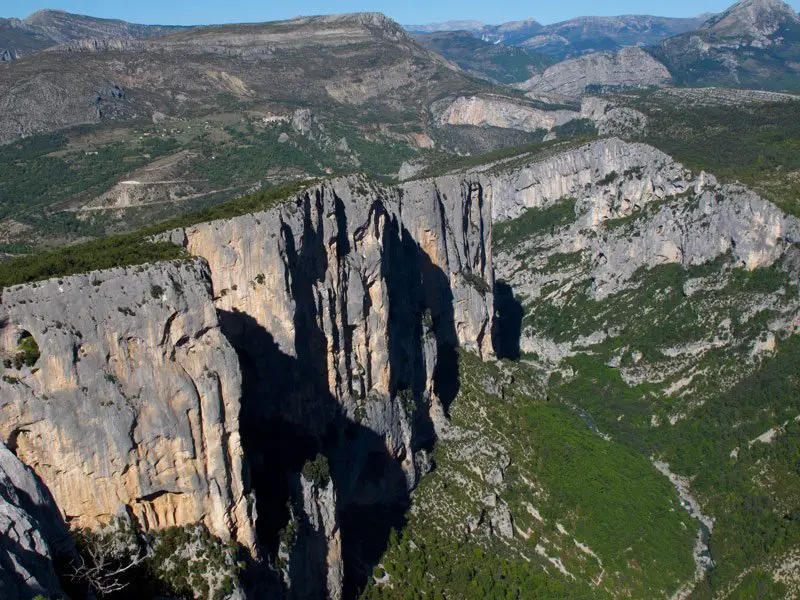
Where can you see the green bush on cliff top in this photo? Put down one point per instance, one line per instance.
(133, 248)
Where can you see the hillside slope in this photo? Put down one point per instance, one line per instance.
(46, 28)
(755, 43)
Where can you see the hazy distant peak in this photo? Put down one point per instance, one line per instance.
(752, 18)
(515, 25)
(455, 25)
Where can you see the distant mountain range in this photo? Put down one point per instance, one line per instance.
(575, 36)
(495, 62)
(47, 28)
(755, 43)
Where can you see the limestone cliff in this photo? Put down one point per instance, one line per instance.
(346, 306)
(636, 217)
(627, 68)
(29, 527)
(503, 113)
(338, 280)
(328, 324)
(615, 180)
(133, 401)
(615, 173)
(316, 556)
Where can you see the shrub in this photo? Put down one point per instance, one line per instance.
(27, 350)
(478, 282)
(317, 471)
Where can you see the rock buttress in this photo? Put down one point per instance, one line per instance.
(133, 401)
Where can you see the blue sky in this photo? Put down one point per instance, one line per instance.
(188, 12)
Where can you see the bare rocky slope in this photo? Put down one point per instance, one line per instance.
(47, 28)
(626, 68)
(362, 60)
(755, 43)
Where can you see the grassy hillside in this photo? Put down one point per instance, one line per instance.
(695, 366)
(591, 517)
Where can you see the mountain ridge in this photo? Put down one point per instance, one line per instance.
(47, 28)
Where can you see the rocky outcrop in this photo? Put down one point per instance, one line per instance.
(131, 400)
(611, 169)
(611, 119)
(639, 211)
(315, 567)
(46, 28)
(337, 283)
(29, 524)
(477, 111)
(503, 113)
(752, 44)
(627, 68)
(754, 19)
(719, 220)
(612, 179)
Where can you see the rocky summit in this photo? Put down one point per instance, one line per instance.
(752, 44)
(325, 308)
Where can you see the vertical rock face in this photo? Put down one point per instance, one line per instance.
(346, 307)
(327, 325)
(315, 563)
(627, 68)
(336, 283)
(133, 401)
(29, 522)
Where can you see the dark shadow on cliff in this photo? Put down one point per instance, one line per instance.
(369, 483)
(52, 526)
(289, 413)
(439, 301)
(507, 322)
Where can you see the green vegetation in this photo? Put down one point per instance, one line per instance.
(576, 128)
(754, 496)
(317, 471)
(38, 172)
(107, 253)
(584, 488)
(504, 64)
(251, 203)
(440, 569)
(509, 234)
(184, 562)
(250, 154)
(757, 144)
(478, 282)
(190, 562)
(671, 374)
(441, 164)
(133, 248)
(27, 351)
